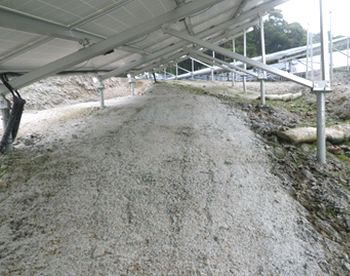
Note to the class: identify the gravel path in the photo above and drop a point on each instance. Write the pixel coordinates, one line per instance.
(170, 183)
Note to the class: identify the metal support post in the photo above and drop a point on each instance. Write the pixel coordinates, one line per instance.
(192, 69)
(347, 53)
(263, 60)
(154, 76)
(234, 62)
(307, 53)
(5, 112)
(177, 71)
(212, 69)
(245, 64)
(312, 56)
(321, 88)
(321, 127)
(100, 86)
(132, 81)
(331, 65)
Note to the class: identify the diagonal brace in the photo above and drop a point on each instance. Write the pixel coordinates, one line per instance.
(239, 57)
(234, 67)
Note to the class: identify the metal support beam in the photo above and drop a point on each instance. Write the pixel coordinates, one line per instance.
(241, 58)
(235, 68)
(177, 71)
(19, 21)
(234, 25)
(201, 62)
(110, 43)
(240, 8)
(224, 67)
(207, 59)
(183, 69)
(323, 87)
(99, 13)
(186, 20)
(80, 22)
(25, 48)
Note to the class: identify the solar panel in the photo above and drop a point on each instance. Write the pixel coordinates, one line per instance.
(45, 31)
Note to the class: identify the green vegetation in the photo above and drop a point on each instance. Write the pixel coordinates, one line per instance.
(279, 35)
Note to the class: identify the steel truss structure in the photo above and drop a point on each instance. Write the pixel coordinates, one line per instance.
(39, 39)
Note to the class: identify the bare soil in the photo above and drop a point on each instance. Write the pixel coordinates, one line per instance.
(323, 190)
(168, 183)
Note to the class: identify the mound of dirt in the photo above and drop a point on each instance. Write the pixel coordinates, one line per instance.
(74, 88)
(170, 183)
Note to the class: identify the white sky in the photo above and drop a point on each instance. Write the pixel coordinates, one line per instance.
(306, 12)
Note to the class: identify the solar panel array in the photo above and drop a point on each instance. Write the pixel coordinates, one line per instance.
(39, 32)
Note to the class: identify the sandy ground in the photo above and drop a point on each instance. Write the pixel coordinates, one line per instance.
(169, 183)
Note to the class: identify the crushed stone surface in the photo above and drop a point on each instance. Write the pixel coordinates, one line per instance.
(169, 183)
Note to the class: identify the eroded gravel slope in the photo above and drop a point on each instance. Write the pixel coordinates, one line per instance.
(165, 184)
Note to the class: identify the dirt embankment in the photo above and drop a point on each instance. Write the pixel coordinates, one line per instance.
(169, 183)
(74, 88)
(323, 190)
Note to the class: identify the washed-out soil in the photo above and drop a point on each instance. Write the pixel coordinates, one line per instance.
(172, 182)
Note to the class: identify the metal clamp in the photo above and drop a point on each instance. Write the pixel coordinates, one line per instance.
(262, 76)
(322, 86)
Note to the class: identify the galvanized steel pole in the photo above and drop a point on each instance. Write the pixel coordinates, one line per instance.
(307, 53)
(263, 60)
(321, 106)
(234, 61)
(212, 69)
(245, 64)
(331, 65)
(347, 53)
(312, 56)
(192, 66)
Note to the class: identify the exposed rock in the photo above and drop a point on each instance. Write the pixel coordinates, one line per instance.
(299, 135)
(284, 97)
(335, 134)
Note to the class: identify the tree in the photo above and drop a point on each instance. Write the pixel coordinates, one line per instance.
(279, 35)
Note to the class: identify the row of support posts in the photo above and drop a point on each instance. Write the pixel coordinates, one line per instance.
(320, 88)
(101, 88)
